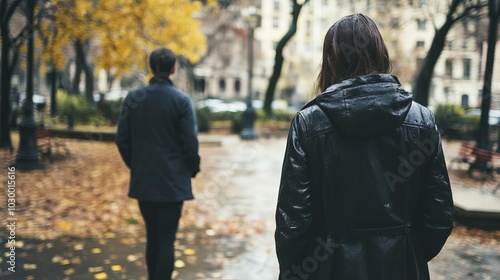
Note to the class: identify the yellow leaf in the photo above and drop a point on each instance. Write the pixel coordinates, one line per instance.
(116, 267)
(29, 266)
(65, 262)
(69, 271)
(96, 250)
(189, 252)
(64, 225)
(101, 275)
(96, 269)
(57, 259)
(179, 264)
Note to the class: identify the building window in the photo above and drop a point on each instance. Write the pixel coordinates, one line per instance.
(464, 44)
(380, 23)
(467, 63)
(421, 24)
(222, 85)
(308, 28)
(307, 47)
(420, 62)
(448, 68)
(199, 85)
(323, 23)
(395, 23)
(276, 22)
(394, 45)
(449, 45)
(465, 101)
(276, 5)
(237, 87)
(420, 44)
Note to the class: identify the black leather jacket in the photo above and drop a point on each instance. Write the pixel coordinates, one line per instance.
(364, 190)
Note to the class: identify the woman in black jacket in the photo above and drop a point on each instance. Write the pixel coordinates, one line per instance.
(364, 190)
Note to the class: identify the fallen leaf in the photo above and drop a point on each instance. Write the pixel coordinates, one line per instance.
(189, 252)
(179, 264)
(69, 271)
(96, 250)
(101, 276)
(96, 269)
(29, 266)
(57, 259)
(116, 267)
(132, 258)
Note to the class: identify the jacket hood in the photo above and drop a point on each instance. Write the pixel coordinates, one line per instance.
(366, 106)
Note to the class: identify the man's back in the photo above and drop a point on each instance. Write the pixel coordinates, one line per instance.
(157, 139)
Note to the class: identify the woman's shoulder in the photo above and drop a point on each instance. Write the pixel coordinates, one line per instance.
(421, 116)
(311, 120)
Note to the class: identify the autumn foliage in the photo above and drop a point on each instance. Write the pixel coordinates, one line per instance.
(122, 32)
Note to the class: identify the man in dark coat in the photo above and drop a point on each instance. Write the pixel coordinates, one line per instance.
(157, 139)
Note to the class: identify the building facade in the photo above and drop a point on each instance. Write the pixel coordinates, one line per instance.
(408, 28)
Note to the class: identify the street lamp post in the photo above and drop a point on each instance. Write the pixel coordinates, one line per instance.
(248, 131)
(27, 155)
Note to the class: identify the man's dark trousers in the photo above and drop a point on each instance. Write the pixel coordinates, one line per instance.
(162, 220)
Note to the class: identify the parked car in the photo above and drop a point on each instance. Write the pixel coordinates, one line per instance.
(494, 115)
(39, 101)
(217, 105)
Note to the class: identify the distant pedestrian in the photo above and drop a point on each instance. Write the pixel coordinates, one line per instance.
(157, 139)
(364, 190)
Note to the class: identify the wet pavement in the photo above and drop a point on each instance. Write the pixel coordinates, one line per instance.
(241, 184)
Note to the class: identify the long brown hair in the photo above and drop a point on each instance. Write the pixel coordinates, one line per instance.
(353, 47)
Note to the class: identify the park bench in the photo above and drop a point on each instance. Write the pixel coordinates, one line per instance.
(46, 143)
(483, 162)
(465, 154)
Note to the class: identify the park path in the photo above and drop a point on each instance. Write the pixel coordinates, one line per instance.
(229, 236)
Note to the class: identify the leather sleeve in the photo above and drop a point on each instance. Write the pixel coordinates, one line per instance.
(436, 217)
(294, 213)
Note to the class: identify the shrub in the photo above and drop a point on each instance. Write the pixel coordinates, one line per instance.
(203, 118)
(75, 107)
(237, 122)
(110, 110)
(448, 115)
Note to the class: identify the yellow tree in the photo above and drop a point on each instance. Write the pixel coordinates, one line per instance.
(125, 44)
(74, 21)
(122, 33)
(53, 54)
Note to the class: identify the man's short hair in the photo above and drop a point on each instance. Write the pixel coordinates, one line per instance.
(162, 61)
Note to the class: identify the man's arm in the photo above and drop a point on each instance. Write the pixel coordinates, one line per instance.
(189, 135)
(123, 135)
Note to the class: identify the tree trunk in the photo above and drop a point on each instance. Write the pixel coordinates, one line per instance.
(83, 65)
(6, 12)
(75, 86)
(89, 83)
(278, 59)
(483, 140)
(5, 140)
(53, 92)
(423, 81)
